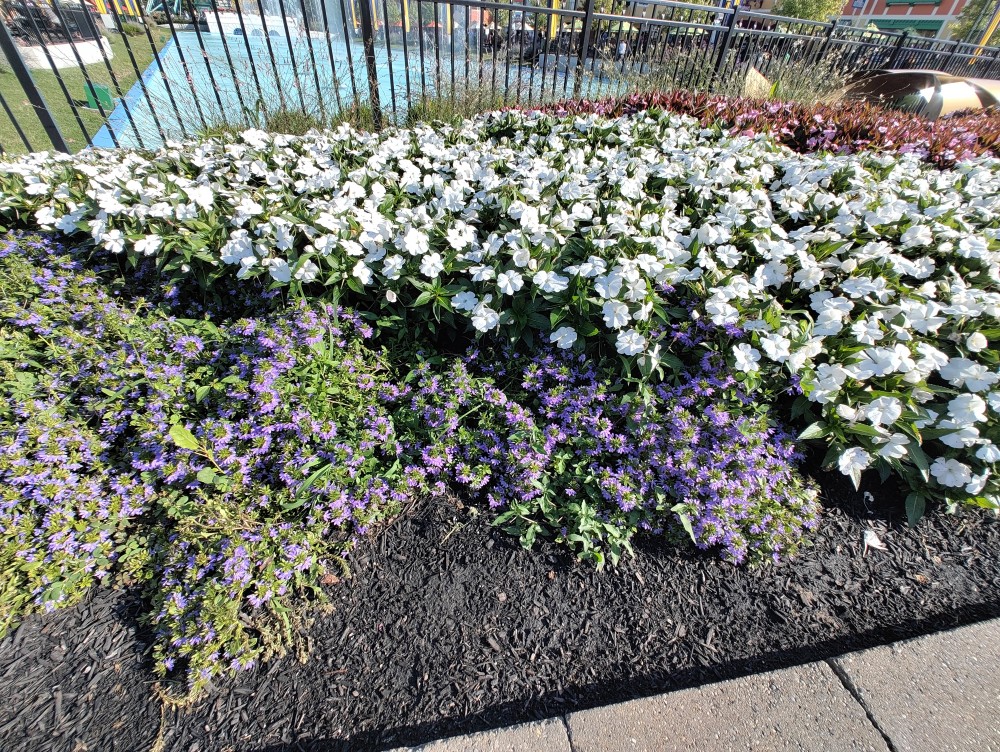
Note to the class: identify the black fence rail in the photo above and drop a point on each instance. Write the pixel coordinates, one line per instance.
(71, 78)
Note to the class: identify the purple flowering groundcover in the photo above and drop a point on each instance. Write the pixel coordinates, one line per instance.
(228, 454)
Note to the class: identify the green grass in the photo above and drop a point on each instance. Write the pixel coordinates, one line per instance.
(74, 81)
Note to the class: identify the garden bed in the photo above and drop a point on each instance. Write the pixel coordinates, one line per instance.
(260, 363)
(449, 627)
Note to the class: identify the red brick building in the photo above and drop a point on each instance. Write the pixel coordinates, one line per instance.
(929, 18)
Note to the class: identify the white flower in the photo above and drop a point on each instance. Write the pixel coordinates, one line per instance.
(465, 301)
(630, 342)
(746, 358)
(510, 282)
(976, 342)
(893, 447)
(608, 285)
(616, 314)
(431, 265)
(307, 271)
(414, 242)
(201, 195)
(482, 273)
(364, 274)
(950, 472)
(852, 461)
(148, 245)
(962, 372)
(114, 241)
(550, 281)
(280, 271)
(484, 318)
(967, 408)
(521, 257)
(563, 337)
(988, 452)
(917, 235)
(775, 347)
(883, 411)
(391, 267)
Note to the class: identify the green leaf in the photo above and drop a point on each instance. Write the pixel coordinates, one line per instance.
(918, 458)
(685, 520)
(201, 392)
(207, 476)
(184, 438)
(814, 431)
(915, 504)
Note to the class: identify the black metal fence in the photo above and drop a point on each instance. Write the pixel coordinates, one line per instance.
(75, 78)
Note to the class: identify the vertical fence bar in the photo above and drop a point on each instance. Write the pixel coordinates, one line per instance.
(208, 63)
(312, 59)
(588, 20)
(17, 125)
(114, 78)
(726, 40)
(270, 52)
(138, 72)
(162, 70)
(229, 60)
(388, 58)
(55, 72)
(83, 68)
(404, 17)
(31, 91)
(291, 52)
(897, 51)
(368, 43)
(250, 57)
(184, 65)
(334, 78)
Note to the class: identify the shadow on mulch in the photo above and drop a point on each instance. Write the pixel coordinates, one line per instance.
(583, 698)
(448, 627)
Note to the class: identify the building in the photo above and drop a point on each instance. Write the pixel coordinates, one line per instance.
(928, 18)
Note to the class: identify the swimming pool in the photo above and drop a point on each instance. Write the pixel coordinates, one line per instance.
(214, 79)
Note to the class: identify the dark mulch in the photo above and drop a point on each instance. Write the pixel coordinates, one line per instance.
(446, 628)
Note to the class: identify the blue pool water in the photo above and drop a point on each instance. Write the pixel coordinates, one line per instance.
(208, 87)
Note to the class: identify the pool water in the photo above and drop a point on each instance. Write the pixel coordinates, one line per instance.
(218, 83)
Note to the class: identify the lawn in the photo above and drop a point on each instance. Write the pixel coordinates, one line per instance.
(74, 81)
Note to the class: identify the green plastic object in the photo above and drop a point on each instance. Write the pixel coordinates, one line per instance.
(99, 94)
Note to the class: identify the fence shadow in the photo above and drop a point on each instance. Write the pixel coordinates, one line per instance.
(576, 698)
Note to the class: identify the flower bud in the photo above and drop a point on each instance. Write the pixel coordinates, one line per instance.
(977, 342)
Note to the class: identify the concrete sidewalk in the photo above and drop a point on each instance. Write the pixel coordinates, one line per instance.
(933, 694)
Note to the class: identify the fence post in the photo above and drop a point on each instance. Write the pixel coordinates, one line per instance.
(368, 42)
(825, 47)
(726, 40)
(951, 55)
(34, 95)
(898, 50)
(581, 61)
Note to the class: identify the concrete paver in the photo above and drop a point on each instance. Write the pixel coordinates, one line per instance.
(803, 708)
(935, 693)
(540, 736)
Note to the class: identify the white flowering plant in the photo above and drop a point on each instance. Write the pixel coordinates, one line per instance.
(869, 283)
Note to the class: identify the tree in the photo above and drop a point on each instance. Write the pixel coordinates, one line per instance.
(973, 22)
(813, 10)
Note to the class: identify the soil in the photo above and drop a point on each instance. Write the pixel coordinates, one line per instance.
(448, 627)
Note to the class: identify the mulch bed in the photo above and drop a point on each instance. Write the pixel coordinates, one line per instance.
(448, 627)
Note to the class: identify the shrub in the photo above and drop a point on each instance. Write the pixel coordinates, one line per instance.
(132, 29)
(870, 279)
(841, 128)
